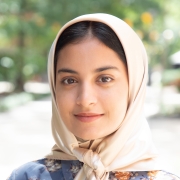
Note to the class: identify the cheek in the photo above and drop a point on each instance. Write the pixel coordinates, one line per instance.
(64, 101)
(117, 101)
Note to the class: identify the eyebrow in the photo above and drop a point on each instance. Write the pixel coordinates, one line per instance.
(106, 68)
(66, 70)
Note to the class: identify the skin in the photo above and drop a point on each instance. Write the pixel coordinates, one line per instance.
(91, 89)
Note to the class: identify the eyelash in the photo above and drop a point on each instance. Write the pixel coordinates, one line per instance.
(64, 81)
(106, 77)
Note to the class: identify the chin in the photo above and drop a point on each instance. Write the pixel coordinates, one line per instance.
(85, 133)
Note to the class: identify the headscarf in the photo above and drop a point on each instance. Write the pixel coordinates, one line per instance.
(130, 147)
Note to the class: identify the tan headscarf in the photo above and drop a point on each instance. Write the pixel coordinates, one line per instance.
(130, 148)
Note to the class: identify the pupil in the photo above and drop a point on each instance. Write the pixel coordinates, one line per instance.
(70, 81)
(104, 79)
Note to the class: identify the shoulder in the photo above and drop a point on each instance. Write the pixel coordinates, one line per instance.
(145, 175)
(158, 175)
(47, 169)
(31, 171)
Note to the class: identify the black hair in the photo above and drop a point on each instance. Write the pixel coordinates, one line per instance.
(80, 30)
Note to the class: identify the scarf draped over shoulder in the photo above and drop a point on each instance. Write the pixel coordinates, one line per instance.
(130, 147)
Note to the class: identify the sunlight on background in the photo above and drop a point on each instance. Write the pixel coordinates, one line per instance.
(25, 135)
(27, 29)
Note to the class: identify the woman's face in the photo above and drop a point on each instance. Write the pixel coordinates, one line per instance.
(91, 89)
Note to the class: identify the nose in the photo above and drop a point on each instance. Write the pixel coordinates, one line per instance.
(86, 95)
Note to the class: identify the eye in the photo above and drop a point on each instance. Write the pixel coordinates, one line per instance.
(69, 81)
(105, 79)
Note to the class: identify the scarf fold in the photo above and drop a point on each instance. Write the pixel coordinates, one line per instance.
(130, 147)
(93, 167)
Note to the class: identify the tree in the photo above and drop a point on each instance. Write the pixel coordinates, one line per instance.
(28, 27)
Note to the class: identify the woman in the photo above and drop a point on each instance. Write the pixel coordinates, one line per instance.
(98, 74)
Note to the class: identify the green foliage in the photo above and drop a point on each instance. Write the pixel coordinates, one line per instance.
(17, 99)
(28, 27)
(171, 77)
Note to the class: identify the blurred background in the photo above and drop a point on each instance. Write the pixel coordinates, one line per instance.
(27, 30)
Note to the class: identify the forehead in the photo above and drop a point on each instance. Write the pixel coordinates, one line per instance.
(87, 55)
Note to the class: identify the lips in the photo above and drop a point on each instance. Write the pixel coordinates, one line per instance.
(88, 117)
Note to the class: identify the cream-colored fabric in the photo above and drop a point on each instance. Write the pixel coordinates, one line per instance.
(130, 148)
